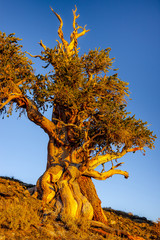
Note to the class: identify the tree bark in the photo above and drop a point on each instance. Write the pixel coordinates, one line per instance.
(86, 185)
(63, 184)
(88, 190)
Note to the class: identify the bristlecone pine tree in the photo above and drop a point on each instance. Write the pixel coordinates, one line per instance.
(89, 125)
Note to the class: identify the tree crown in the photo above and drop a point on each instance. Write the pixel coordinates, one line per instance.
(89, 102)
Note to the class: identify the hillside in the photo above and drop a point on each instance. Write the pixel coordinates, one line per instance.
(21, 217)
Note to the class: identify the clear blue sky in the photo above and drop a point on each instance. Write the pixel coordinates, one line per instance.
(132, 29)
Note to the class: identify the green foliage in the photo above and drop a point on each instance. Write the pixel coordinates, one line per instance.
(81, 93)
(13, 63)
(79, 85)
(16, 70)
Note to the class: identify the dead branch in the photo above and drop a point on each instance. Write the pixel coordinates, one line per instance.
(104, 175)
(98, 160)
(75, 35)
(35, 56)
(60, 32)
(42, 45)
(70, 48)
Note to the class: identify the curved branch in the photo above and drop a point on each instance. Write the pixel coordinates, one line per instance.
(35, 116)
(36, 56)
(60, 32)
(71, 47)
(11, 98)
(86, 145)
(103, 176)
(66, 124)
(42, 45)
(75, 35)
(21, 82)
(74, 18)
(98, 160)
(32, 112)
(83, 32)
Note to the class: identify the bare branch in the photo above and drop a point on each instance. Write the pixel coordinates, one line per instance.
(98, 160)
(84, 146)
(66, 124)
(60, 32)
(23, 81)
(71, 47)
(75, 35)
(44, 47)
(103, 169)
(35, 116)
(74, 18)
(104, 175)
(91, 139)
(119, 164)
(134, 149)
(35, 56)
(32, 111)
(60, 45)
(83, 32)
(12, 97)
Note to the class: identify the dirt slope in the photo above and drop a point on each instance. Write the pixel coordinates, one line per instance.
(21, 217)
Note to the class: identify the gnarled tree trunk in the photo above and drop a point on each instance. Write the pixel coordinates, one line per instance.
(63, 186)
(86, 186)
(66, 184)
(88, 190)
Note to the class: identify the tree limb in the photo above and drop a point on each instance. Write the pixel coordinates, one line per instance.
(75, 35)
(74, 18)
(60, 32)
(14, 96)
(66, 124)
(83, 32)
(44, 47)
(36, 56)
(23, 81)
(98, 160)
(32, 111)
(85, 147)
(35, 116)
(103, 176)
(71, 47)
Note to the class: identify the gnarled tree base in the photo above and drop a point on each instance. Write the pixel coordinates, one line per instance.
(74, 197)
(59, 186)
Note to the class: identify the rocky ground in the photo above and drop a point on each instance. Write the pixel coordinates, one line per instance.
(21, 217)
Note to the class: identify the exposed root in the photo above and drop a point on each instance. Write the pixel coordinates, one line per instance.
(104, 230)
(99, 231)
